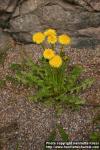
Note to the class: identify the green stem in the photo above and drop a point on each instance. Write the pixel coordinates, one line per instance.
(53, 46)
(62, 48)
(43, 47)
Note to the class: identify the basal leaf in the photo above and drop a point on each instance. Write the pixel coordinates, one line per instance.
(63, 134)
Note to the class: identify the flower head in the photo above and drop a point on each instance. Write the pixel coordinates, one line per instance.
(56, 61)
(49, 32)
(48, 53)
(38, 37)
(64, 39)
(52, 39)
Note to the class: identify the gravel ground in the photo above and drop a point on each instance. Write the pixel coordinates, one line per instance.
(28, 125)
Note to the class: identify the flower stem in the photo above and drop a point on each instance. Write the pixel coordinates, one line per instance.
(62, 48)
(43, 47)
(53, 46)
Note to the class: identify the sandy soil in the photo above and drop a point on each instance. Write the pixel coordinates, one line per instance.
(28, 125)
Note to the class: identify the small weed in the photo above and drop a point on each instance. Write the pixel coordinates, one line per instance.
(63, 134)
(16, 67)
(2, 83)
(52, 137)
(95, 137)
(17, 146)
(12, 79)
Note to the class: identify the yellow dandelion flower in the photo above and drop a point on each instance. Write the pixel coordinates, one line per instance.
(49, 32)
(56, 61)
(48, 53)
(64, 39)
(52, 39)
(38, 37)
